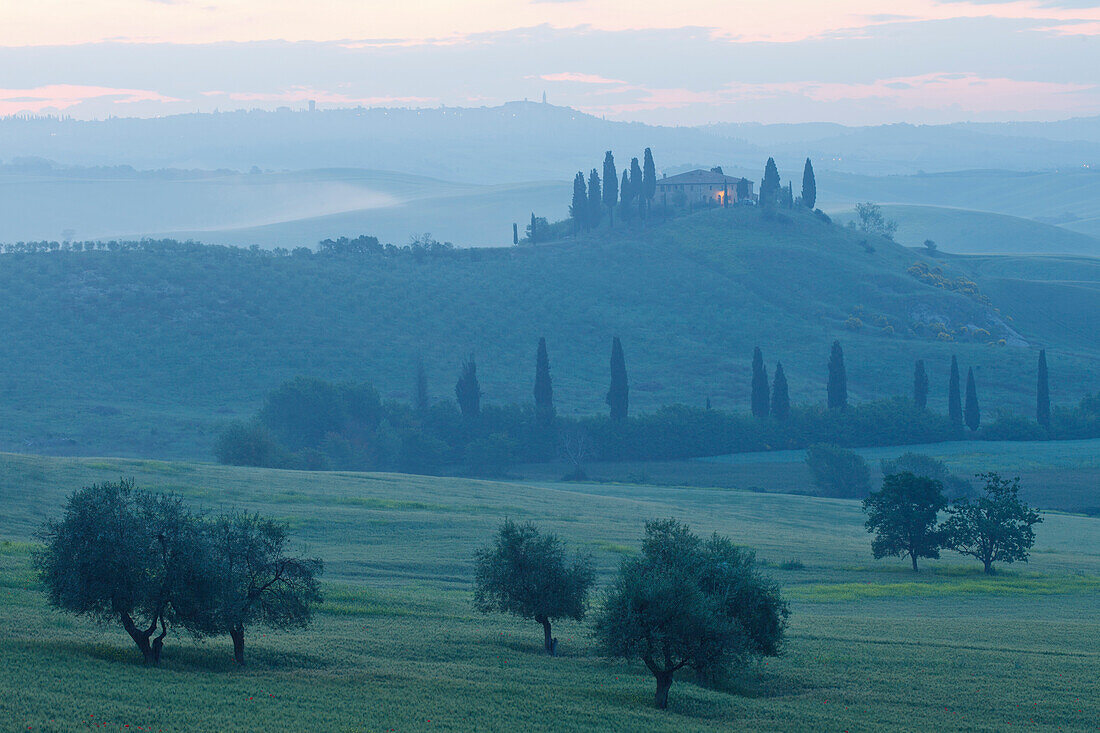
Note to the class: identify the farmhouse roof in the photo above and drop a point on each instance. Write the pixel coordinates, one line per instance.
(698, 177)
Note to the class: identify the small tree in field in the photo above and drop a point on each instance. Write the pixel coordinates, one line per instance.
(122, 555)
(525, 573)
(995, 527)
(690, 602)
(258, 582)
(838, 472)
(902, 514)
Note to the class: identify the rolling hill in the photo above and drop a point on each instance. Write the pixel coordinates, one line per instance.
(147, 352)
(963, 231)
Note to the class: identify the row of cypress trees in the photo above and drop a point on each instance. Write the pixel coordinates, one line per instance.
(773, 193)
(767, 401)
(593, 196)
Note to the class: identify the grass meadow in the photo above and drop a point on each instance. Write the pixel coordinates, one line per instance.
(397, 646)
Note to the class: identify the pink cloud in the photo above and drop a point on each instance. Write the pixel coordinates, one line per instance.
(304, 94)
(64, 96)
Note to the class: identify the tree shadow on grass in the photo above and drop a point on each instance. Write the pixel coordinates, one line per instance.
(188, 656)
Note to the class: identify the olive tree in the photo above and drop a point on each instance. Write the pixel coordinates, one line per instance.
(258, 581)
(995, 527)
(690, 602)
(903, 515)
(122, 555)
(525, 573)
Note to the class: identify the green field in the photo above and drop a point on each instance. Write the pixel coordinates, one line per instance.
(397, 646)
(148, 354)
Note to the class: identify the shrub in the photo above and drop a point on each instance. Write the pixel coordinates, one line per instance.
(838, 472)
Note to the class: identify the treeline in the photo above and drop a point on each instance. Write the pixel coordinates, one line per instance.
(311, 424)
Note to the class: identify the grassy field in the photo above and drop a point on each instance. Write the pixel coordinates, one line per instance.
(397, 646)
(147, 354)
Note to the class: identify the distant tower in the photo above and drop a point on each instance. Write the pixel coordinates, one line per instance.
(312, 106)
(544, 97)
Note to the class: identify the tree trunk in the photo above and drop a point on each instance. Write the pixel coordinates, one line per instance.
(988, 567)
(664, 682)
(141, 638)
(914, 558)
(549, 643)
(158, 642)
(237, 634)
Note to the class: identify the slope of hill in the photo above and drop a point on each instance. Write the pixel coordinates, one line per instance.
(144, 352)
(271, 209)
(869, 643)
(964, 231)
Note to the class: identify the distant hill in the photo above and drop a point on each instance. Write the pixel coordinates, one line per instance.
(147, 352)
(976, 232)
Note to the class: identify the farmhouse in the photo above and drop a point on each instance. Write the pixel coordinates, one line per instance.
(700, 186)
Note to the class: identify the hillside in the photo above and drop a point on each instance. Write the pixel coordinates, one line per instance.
(148, 352)
(964, 231)
(869, 643)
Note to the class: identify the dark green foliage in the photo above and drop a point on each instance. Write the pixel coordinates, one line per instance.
(578, 210)
(544, 389)
(760, 398)
(627, 194)
(973, 413)
(649, 177)
(954, 396)
(920, 385)
(769, 186)
(637, 185)
(1042, 392)
(421, 398)
(249, 444)
(781, 398)
(515, 233)
(526, 574)
(838, 379)
(995, 527)
(122, 555)
(258, 582)
(595, 199)
(468, 390)
(533, 229)
(918, 464)
(303, 411)
(787, 196)
(610, 186)
(690, 602)
(618, 394)
(902, 515)
(809, 186)
(838, 472)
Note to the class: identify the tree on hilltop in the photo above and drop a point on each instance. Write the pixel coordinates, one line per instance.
(649, 179)
(578, 210)
(769, 187)
(809, 186)
(595, 199)
(610, 186)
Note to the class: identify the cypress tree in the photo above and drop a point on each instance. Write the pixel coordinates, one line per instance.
(838, 379)
(515, 233)
(809, 186)
(954, 396)
(1042, 395)
(595, 199)
(973, 412)
(626, 195)
(769, 187)
(781, 399)
(788, 196)
(760, 397)
(544, 389)
(649, 178)
(920, 385)
(420, 398)
(579, 208)
(610, 186)
(534, 225)
(468, 390)
(619, 393)
(636, 189)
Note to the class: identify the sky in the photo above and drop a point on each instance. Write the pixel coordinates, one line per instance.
(847, 61)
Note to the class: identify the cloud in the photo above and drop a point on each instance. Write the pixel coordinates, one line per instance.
(64, 96)
(321, 96)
